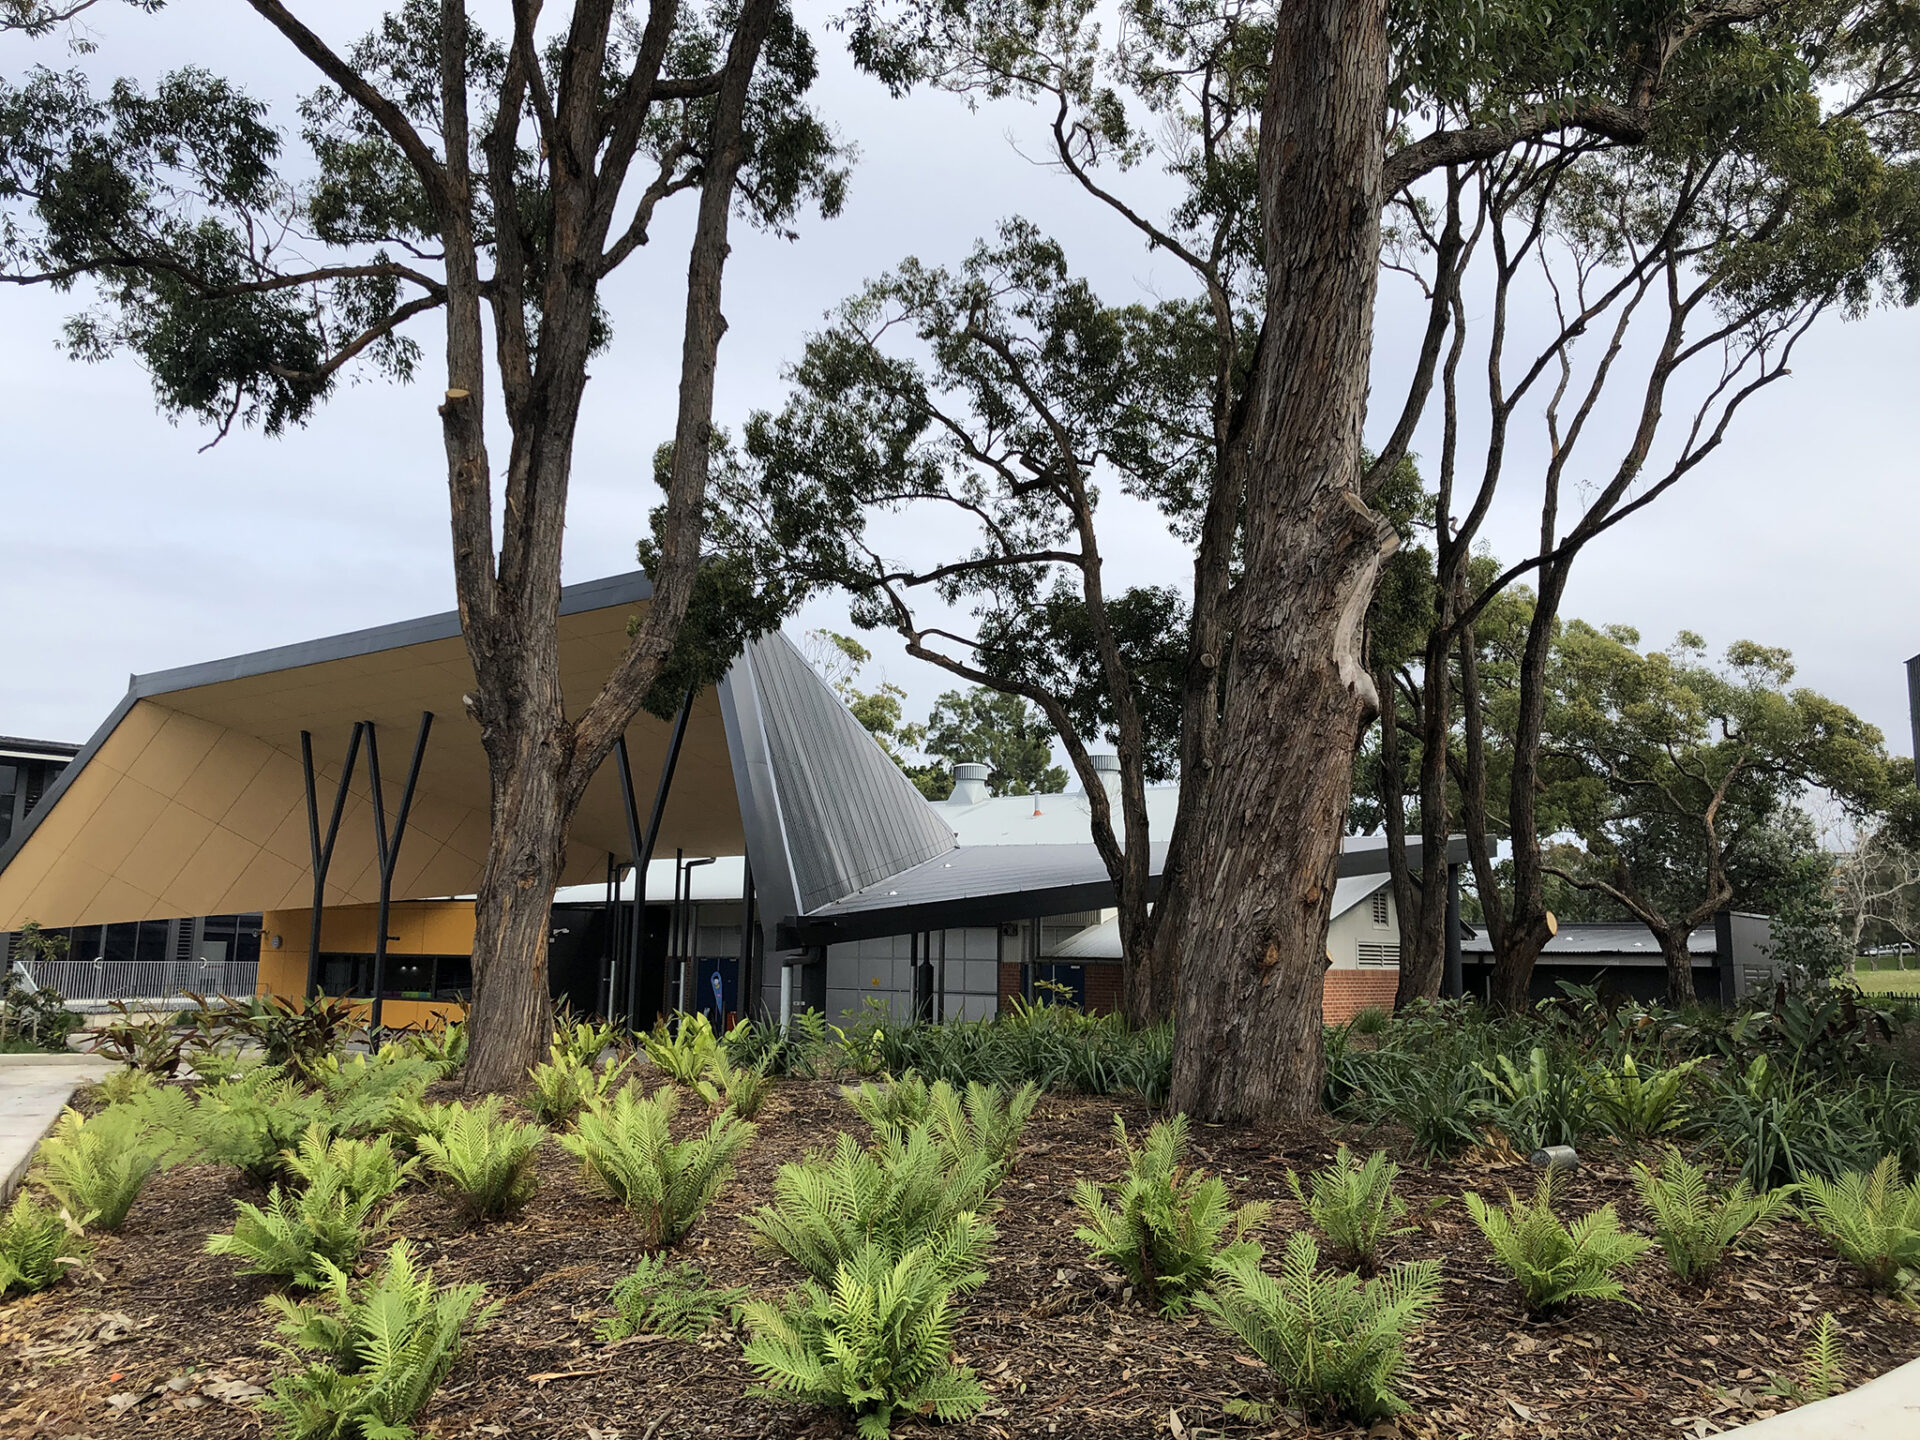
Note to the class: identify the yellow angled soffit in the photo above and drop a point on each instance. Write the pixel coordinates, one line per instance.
(193, 803)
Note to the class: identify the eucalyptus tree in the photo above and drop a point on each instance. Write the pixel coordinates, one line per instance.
(491, 185)
(1687, 761)
(1293, 127)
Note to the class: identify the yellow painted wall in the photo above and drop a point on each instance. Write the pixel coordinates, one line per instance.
(422, 927)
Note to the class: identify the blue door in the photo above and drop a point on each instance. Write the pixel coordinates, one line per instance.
(718, 986)
(1073, 977)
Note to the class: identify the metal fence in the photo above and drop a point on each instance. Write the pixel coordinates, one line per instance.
(143, 979)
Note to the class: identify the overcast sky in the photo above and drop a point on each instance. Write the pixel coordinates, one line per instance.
(130, 551)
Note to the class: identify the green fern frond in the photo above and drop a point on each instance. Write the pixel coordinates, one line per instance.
(96, 1166)
(1334, 1343)
(1873, 1222)
(739, 1088)
(299, 1234)
(660, 1297)
(1354, 1205)
(1554, 1262)
(565, 1085)
(483, 1157)
(1694, 1226)
(625, 1149)
(1166, 1224)
(38, 1244)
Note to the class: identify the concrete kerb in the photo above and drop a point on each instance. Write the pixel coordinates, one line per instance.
(1884, 1409)
(34, 1089)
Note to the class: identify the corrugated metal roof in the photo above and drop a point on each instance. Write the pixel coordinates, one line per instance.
(1594, 937)
(1064, 819)
(848, 816)
(1102, 941)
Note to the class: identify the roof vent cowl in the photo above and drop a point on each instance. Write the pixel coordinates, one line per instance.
(969, 783)
(1106, 765)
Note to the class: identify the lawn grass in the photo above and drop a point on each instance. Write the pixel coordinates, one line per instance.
(1889, 982)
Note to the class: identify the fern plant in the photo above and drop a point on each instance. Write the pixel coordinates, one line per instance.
(483, 1157)
(685, 1054)
(878, 1342)
(662, 1297)
(1694, 1226)
(1333, 1342)
(365, 1093)
(1823, 1367)
(38, 1244)
(899, 1196)
(1872, 1220)
(565, 1085)
(1638, 1107)
(1354, 1205)
(985, 1122)
(299, 1232)
(252, 1122)
(890, 1103)
(384, 1345)
(442, 1045)
(365, 1171)
(739, 1088)
(96, 1166)
(1166, 1223)
(624, 1147)
(1554, 1262)
(1547, 1101)
(123, 1086)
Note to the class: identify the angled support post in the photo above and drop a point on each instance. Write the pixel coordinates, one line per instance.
(643, 852)
(322, 849)
(387, 848)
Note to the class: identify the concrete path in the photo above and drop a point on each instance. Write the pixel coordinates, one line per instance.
(1884, 1409)
(33, 1091)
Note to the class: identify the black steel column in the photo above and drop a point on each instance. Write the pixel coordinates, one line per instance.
(388, 849)
(628, 984)
(1454, 980)
(940, 982)
(644, 857)
(322, 852)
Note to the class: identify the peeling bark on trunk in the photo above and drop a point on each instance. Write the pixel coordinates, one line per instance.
(1249, 1041)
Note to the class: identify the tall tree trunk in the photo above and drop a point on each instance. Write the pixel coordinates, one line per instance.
(1673, 949)
(1249, 1038)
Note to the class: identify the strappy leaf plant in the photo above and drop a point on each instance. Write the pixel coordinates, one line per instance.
(1354, 1205)
(96, 1165)
(383, 1346)
(664, 1297)
(684, 1052)
(582, 1040)
(1335, 1344)
(877, 1341)
(483, 1157)
(1166, 1222)
(625, 1148)
(1873, 1221)
(899, 1195)
(565, 1085)
(38, 1244)
(1694, 1222)
(1638, 1106)
(1552, 1261)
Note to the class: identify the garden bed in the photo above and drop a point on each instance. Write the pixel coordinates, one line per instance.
(157, 1337)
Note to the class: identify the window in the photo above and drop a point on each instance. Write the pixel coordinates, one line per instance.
(1380, 915)
(1376, 955)
(409, 977)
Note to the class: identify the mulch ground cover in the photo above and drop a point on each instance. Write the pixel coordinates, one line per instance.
(158, 1338)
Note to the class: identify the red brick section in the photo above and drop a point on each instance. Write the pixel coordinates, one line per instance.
(1348, 992)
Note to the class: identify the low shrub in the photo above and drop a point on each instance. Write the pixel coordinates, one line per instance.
(625, 1149)
(95, 1166)
(384, 1346)
(1167, 1223)
(901, 1195)
(565, 1085)
(683, 1053)
(1334, 1343)
(1554, 1262)
(1695, 1226)
(1547, 1101)
(38, 1244)
(1370, 1020)
(662, 1297)
(582, 1040)
(299, 1233)
(33, 1017)
(297, 1034)
(739, 1088)
(1354, 1205)
(878, 1342)
(1872, 1220)
(152, 1044)
(1637, 1107)
(483, 1157)
(442, 1044)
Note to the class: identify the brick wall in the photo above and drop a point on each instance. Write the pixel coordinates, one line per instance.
(1348, 992)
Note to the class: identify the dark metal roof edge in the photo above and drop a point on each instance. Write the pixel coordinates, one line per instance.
(628, 589)
(40, 749)
(957, 913)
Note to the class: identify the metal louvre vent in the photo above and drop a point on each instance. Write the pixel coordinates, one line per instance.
(1379, 954)
(1380, 907)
